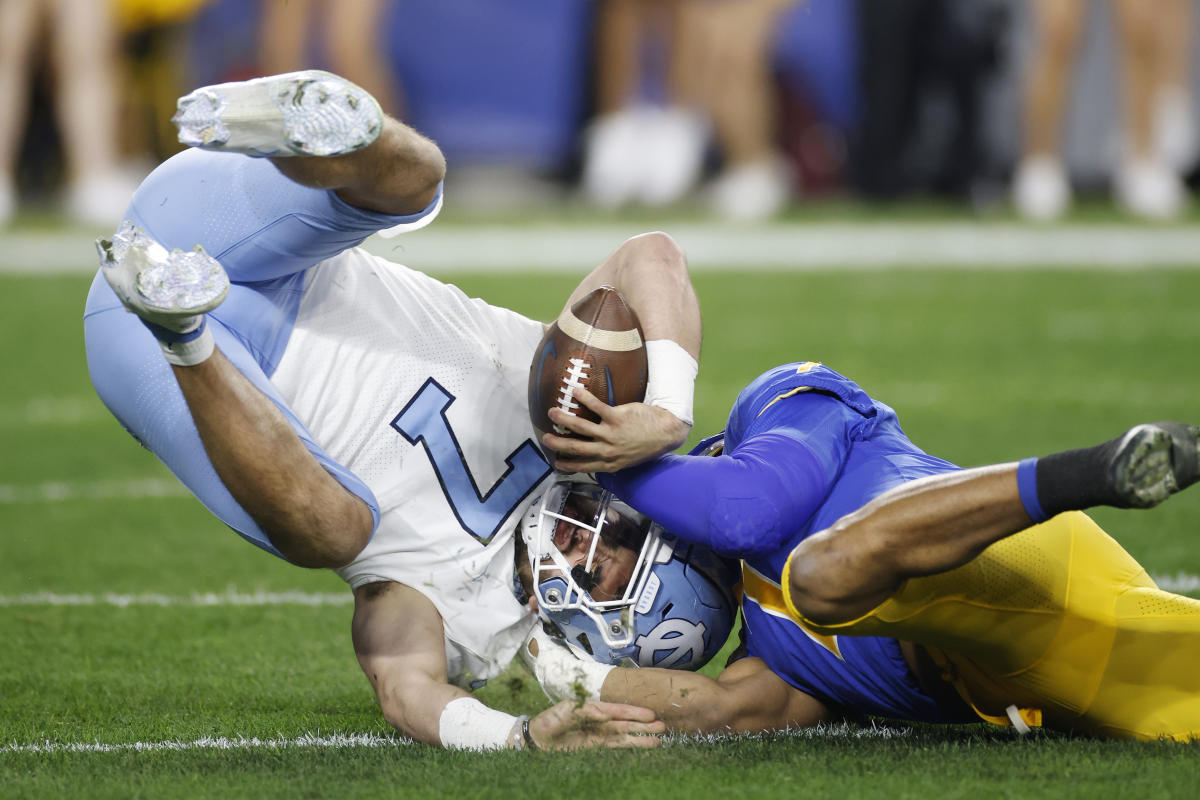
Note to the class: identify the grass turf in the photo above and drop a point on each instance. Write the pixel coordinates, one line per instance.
(981, 367)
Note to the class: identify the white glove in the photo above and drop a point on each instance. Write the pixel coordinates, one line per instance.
(561, 674)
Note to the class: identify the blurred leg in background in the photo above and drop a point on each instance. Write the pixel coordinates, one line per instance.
(347, 36)
(647, 139)
(82, 42)
(1041, 190)
(1174, 112)
(18, 26)
(155, 42)
(1153, 45)
(725, 67)
(670, 74)
(1152, 40)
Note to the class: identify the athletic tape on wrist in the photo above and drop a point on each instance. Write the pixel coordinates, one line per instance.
(190, 352)
(467, 724)
(672, 379)
(564, 676)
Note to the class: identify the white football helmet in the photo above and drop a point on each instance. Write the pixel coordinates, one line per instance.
(675, 610)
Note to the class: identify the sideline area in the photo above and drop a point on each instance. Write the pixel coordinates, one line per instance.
(449, 248)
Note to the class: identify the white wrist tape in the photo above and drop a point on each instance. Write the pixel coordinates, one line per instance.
(189, 353)
(672, 379)
(561, 674)
(467, 724)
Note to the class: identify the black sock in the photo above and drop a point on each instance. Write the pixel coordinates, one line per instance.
(1077, 479)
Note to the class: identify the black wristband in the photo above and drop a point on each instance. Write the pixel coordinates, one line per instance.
(526, 736)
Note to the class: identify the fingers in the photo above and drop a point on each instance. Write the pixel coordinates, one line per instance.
(616, 711)
(625, 435)
(575, 455)
(571, 726)
(592, 403)
(575, 424)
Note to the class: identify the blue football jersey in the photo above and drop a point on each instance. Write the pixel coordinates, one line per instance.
(804, 446)
(865, 455)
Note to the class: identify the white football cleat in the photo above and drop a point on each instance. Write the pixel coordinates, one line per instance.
(171, 290)
(307, 113)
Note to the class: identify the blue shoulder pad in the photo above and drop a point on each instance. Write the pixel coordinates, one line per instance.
(808, 374)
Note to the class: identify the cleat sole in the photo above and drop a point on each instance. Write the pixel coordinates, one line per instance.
(309, 113)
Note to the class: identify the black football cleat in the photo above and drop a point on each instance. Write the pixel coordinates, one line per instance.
(1154, 461)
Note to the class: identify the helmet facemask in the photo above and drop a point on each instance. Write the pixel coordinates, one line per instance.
(663, 603)
(569, 513)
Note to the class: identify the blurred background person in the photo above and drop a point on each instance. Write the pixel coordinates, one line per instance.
(925, 67)
(676, 77)
(646, 141)
(155, 35)
(80, 40)
(344, 36)
(725, 67)
(1153, 41)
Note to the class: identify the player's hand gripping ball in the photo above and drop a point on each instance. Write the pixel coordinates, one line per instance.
(596, 344)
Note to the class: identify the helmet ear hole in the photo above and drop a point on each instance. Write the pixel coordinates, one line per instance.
(585, 644)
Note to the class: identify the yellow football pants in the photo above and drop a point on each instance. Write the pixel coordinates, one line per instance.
(1058, 624)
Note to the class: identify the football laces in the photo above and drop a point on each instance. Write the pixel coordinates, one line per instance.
(575, 377)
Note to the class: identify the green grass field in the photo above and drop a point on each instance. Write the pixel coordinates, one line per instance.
(981, 366)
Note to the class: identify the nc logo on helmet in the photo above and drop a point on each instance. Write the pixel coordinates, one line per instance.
(684, 640)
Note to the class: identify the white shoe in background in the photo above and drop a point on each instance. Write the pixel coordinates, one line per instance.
(99, 199)
(672, 148)
(8, 200)
(1175, 129)
(1040, 188)
(1148, 188)
(752, 192)
(612, 166)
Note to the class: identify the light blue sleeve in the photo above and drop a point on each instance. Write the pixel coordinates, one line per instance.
(266, 231)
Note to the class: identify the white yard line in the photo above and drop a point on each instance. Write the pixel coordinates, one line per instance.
(304, 741)
(371, 740)
(59, 491)
(792, 246)
(51, 410)
(1181, 582)
(229, 597)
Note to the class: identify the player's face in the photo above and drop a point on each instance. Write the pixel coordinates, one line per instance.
(612, 563)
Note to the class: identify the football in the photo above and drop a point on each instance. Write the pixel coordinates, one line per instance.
(597, 344)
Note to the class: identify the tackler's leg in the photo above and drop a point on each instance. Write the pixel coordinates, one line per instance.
(935, 524)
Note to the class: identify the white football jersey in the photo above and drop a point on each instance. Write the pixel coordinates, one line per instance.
(421, 392)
